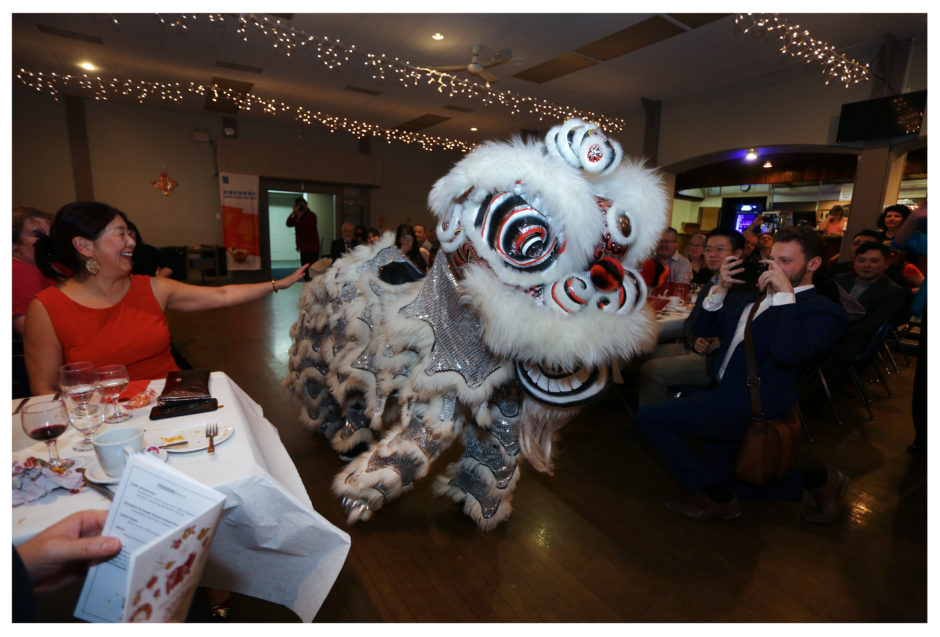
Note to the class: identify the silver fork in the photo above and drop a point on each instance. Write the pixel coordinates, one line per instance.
(212, 430)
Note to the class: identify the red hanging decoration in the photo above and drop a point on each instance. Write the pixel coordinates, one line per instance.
(164, 184)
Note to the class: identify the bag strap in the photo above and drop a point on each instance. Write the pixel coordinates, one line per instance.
(753, 380)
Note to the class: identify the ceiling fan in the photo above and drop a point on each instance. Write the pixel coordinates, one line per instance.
(479, 68)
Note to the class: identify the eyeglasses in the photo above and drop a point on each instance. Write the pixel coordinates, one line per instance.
(714, 249)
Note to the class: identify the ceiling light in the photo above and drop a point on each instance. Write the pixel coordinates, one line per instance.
(767, 164)
(474, 129)
(751, 154)
(437, 36)
(88, 66)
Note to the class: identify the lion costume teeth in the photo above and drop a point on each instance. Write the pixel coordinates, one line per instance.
(533, 297)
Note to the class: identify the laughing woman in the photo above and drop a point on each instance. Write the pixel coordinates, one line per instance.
(99, 311)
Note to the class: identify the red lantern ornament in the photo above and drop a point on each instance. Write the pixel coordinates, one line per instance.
(164, 184)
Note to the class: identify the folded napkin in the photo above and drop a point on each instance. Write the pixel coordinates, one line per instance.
(34, 478)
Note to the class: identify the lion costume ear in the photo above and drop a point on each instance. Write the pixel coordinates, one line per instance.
(583, 145)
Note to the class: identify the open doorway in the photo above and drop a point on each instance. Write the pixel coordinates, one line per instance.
(279, 256)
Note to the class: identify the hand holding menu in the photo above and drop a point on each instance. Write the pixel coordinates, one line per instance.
(165, 521)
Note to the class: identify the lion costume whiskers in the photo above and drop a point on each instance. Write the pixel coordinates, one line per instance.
(532, 298)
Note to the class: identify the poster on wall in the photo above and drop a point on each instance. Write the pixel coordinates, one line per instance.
(239, 195)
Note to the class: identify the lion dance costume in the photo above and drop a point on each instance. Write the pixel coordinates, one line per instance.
(532, 299)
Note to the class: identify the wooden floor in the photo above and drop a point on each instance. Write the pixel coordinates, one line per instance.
(593, 542)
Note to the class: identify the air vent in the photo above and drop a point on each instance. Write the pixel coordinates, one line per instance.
(238, 67)
(637, 36)
(223, 104)
(359, 89)
(425, 121)
(459, 109)
(72, 35)
(562, 65)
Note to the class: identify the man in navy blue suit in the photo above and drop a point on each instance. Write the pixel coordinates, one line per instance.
(793, 325)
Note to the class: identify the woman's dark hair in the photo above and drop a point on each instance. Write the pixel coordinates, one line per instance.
(903, 210)
(133, 228)
(56, 257)
(402, 230)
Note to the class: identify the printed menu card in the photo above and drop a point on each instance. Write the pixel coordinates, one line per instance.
(165, 521)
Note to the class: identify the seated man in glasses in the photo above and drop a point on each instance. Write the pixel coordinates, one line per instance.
(693, 360)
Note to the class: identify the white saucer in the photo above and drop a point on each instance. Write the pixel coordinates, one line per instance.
(96, 474)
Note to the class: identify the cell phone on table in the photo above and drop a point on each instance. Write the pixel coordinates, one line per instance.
(186, 408)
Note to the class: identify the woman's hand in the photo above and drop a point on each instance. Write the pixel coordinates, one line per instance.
(291, 279)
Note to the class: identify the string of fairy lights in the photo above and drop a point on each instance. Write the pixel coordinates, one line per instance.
(798, 43)
(334, 54)
(175, 92)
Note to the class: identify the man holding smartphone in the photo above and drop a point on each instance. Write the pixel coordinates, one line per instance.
(306, 237)
(793, 325)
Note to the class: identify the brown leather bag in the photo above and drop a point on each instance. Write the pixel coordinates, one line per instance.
(769, 448)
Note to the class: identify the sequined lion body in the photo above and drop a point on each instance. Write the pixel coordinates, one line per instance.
(532, 298)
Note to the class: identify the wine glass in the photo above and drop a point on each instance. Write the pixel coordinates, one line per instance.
(113, 379)
(77, 380)
(88, 419)
(46, 421)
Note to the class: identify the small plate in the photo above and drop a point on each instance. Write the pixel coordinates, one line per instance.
(195, 436)
(96, 474)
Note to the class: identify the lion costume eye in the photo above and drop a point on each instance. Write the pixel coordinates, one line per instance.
(521, 235)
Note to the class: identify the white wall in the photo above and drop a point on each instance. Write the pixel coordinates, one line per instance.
(41, 163)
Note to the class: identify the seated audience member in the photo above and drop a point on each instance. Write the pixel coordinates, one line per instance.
(695, 253)
(372, 237)
(764, 244)
(862, 236)
(56, 556)
(147, 259)
(880, 297)
(891, 219)
(834, 223)
(360, 234)
(406, 241)
(751, 254)
(423, 241)
(28, 225)
(101, 312)
(903, 272)
(693, 361)
(667, 266)
(793, 325)
(345, 242)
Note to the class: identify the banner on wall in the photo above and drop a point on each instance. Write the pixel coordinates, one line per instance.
(239, 195)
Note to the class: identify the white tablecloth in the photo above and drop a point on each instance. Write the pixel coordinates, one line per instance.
(271, 543)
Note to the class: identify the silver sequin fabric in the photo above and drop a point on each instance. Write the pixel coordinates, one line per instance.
(458, 336)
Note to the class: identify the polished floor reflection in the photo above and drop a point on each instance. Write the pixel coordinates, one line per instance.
(593, 542)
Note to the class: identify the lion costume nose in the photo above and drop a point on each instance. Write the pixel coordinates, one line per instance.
(607, 274)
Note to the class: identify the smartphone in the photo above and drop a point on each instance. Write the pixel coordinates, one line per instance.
(762, 267)
(171, 410)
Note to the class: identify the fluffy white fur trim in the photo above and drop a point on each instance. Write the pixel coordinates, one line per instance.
(516, 327)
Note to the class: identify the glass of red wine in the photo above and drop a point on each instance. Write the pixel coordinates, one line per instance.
(46, 421)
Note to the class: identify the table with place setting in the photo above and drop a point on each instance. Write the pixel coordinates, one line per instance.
(270, 544)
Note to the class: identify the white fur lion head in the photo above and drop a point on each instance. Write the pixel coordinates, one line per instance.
(547, 237)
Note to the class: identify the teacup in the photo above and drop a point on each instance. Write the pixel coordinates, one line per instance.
(674, 302)
(114, 446)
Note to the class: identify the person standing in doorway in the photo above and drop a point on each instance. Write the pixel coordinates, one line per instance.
(306, 237)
